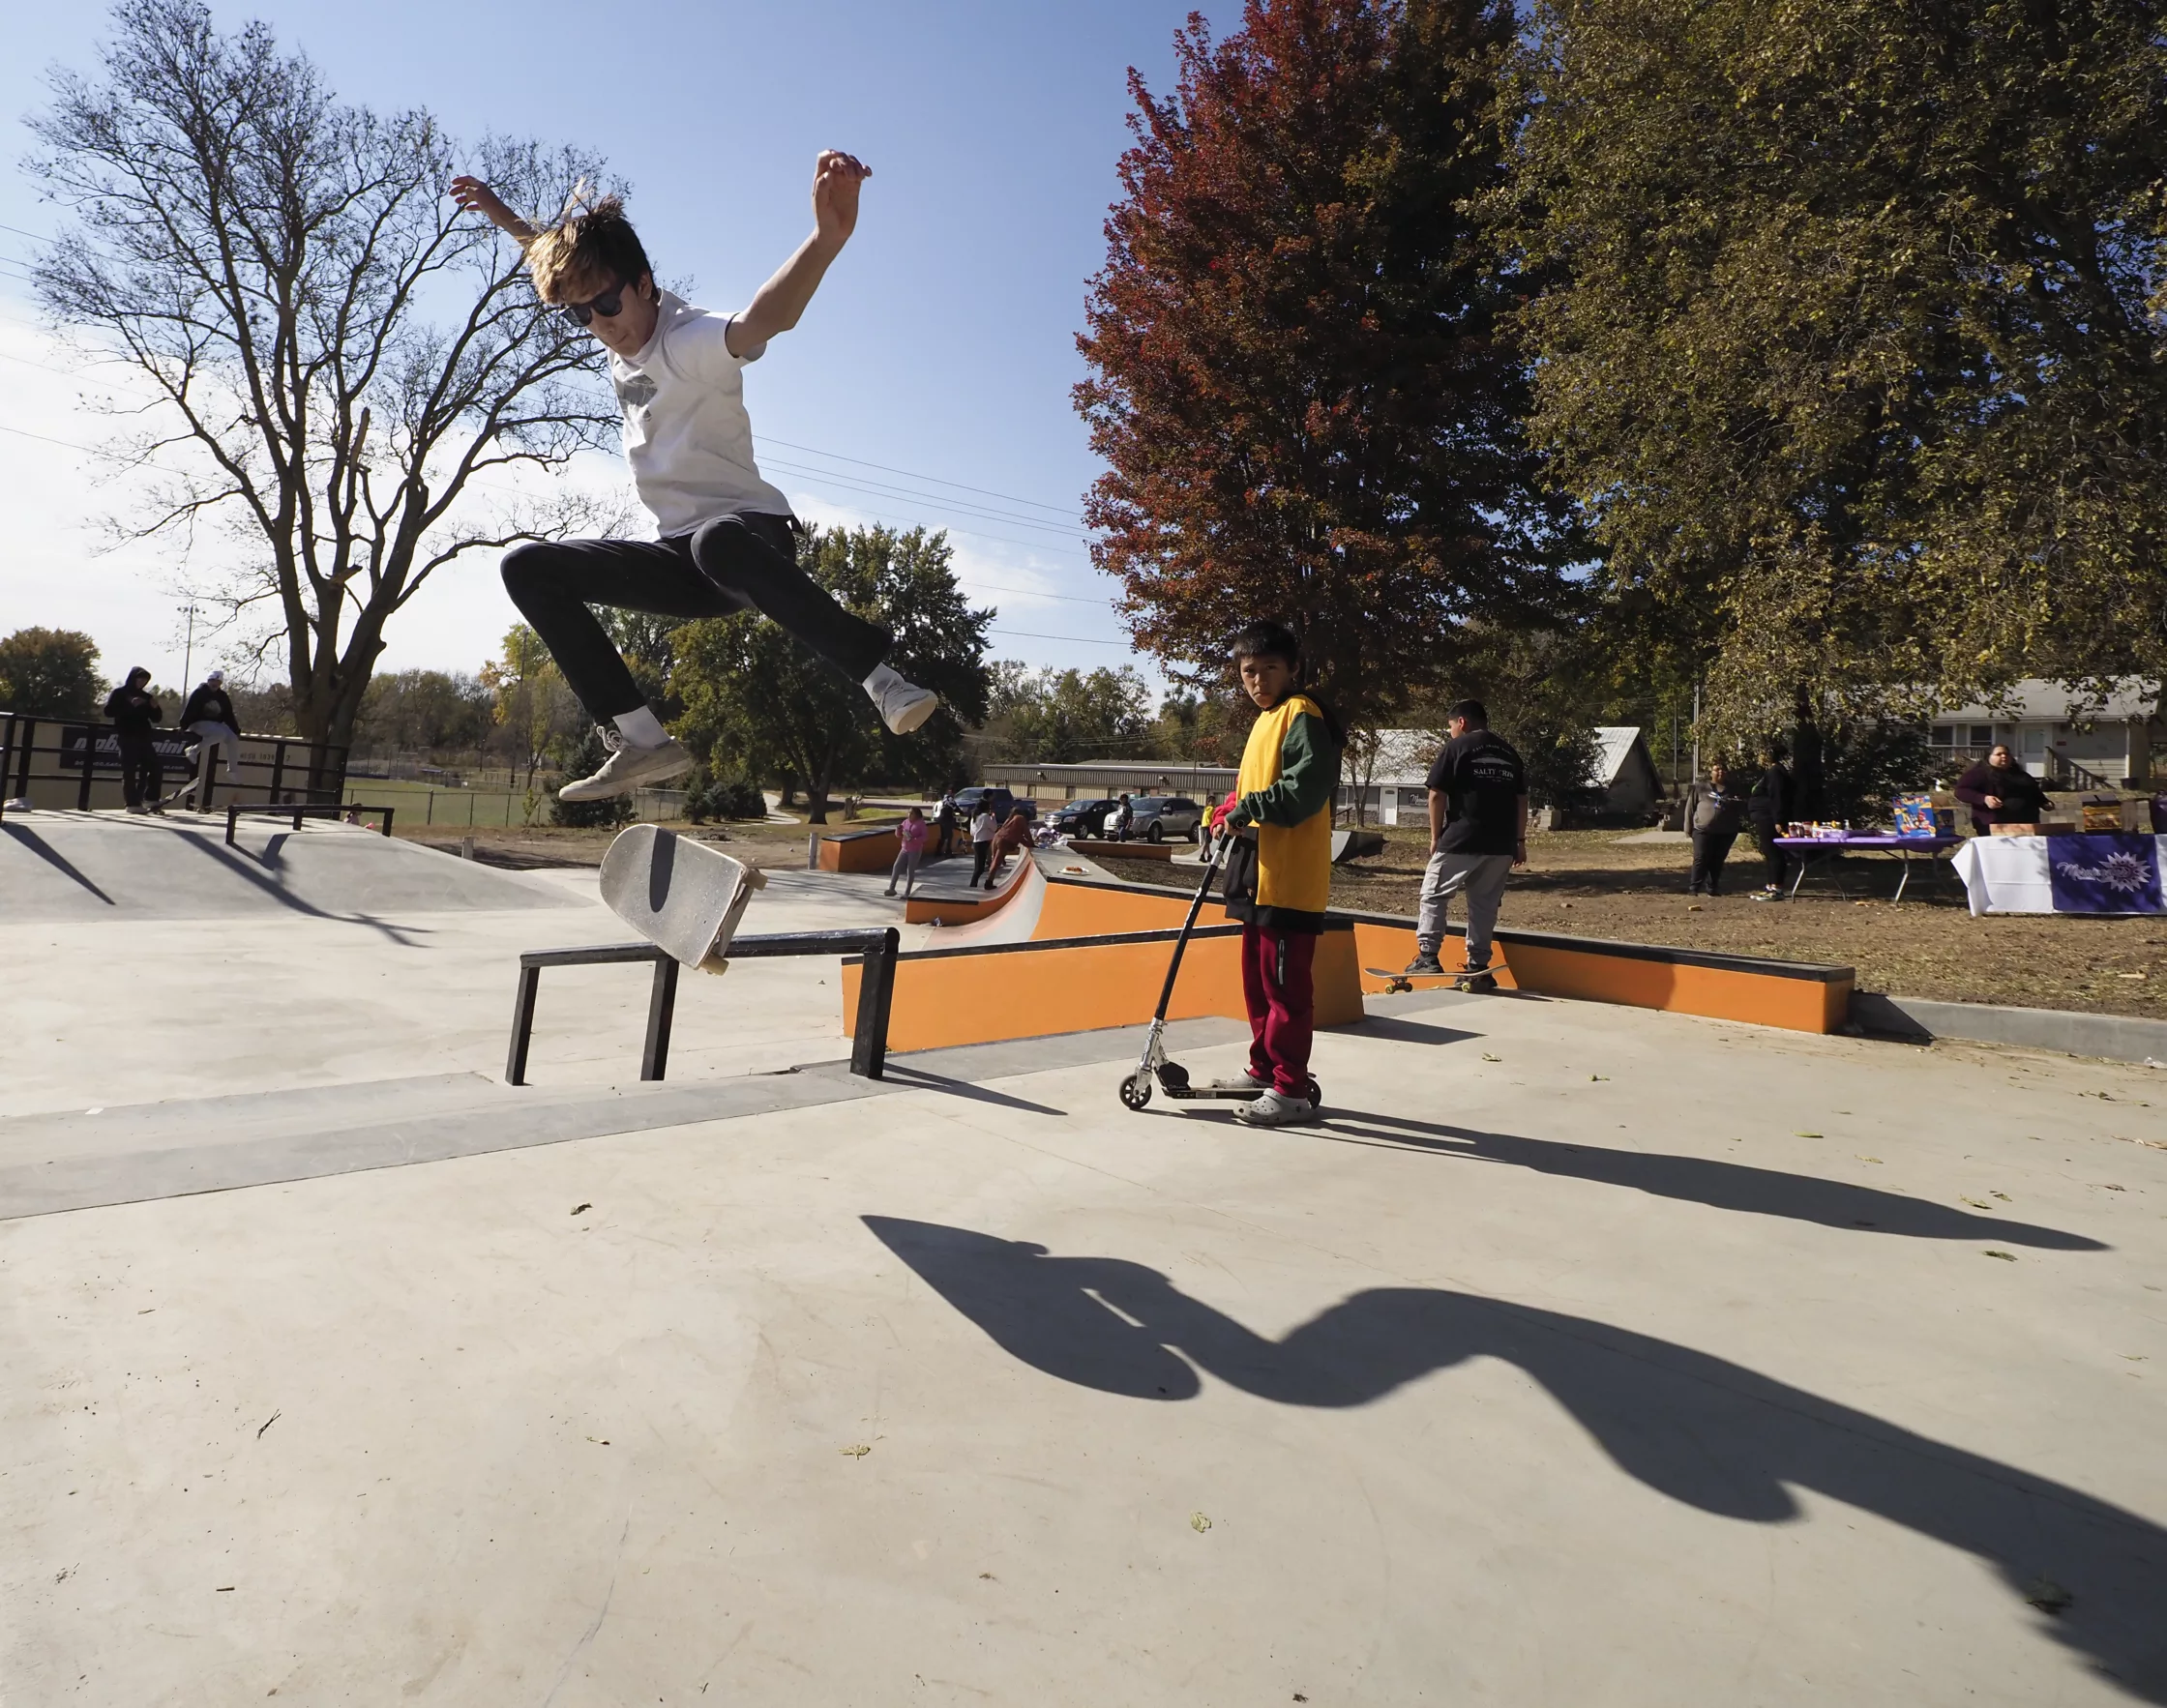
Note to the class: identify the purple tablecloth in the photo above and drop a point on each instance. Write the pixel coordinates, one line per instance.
(1837, 844)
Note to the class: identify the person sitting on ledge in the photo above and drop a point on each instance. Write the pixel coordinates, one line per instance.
(2001, 791)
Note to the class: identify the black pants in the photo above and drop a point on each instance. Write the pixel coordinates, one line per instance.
(979, 853)
(142, 775)
(734, 564)
(1710, 850)
(1777, 860)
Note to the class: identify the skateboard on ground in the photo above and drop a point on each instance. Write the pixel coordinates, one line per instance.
(681, 896)
(1397, 982)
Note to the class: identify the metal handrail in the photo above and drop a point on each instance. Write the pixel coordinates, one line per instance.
(20, 750)
(869, 1045)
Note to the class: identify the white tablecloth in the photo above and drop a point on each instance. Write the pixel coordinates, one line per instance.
(2008, 874)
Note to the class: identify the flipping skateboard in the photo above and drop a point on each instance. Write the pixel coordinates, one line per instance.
(1397, 982)
(681, 896)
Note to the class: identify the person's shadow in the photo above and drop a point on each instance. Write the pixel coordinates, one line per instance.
(1715, 1180)
(1702, 1431)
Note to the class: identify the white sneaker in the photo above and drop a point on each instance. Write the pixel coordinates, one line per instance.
(628, 768)
(1275, 1108)
(903, 705)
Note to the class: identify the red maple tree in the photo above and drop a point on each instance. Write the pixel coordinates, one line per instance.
(1298, 384)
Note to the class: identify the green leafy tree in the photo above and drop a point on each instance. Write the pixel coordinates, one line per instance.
(1058, 717)
(531, 702)
(1297, 383)
(425, 711)
(1849, 338)
(755, 699)
(585, 758)
(49, 673)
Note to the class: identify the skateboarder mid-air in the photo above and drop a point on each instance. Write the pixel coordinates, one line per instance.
(727, 535)
(1279, 880)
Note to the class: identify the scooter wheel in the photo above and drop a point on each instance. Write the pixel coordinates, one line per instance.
(1316, 1096)
(1136, 1091)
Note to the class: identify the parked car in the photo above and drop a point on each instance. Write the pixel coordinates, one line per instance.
(1002, 801)
(1081, 818)
(1156, 817)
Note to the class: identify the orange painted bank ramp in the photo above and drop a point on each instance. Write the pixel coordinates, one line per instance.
(1055, 953)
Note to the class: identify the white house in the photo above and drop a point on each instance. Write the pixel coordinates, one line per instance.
(1396, 789)
(2087, 745)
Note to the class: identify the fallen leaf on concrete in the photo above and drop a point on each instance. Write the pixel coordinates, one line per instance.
(268, 1422)
(2134, 1357)
(1863, 1158)
(2004, 1196)
(1199, 1523)
(2048, 1596)
(576, 1209)
(2005, 1256)
(1488, 1057)
(598, 1440)
(2104, 1187)
(857, 1449)
(1975, 1203)
(1805, 1135)
(1594, 1076)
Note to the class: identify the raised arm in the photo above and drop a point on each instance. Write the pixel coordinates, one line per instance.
(779, 304)
(477, 198)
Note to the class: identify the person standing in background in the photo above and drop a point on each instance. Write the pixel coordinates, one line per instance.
(910, 843)
(135, 714)
(1713, 818)
(1478, 832)
(1770, 806)
(209, 716)
(982, 824)
(2001, 791)
(945, 824)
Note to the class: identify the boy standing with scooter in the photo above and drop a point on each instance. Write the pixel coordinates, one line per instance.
(1279, 876)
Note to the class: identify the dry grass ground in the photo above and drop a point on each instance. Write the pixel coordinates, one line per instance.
(1591, 884)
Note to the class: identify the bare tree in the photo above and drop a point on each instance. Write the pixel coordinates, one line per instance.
(337, 354)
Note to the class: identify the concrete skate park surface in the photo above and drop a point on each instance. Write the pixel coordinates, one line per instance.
(1583, 1354)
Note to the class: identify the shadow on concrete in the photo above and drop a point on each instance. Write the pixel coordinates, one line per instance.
(1710, 1433)
(1399, 1031)
(52, 857)
(1700, 1180)
(245, 867)
(918, 1080)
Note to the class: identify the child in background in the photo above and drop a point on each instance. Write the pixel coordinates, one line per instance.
(982, 824)
(910, 843)
(1279, 883)
(1016, 833)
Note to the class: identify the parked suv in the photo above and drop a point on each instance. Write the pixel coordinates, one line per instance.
(1081, 818)
(1156, 817)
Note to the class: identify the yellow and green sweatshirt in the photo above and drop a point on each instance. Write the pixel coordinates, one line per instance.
(1289, 773)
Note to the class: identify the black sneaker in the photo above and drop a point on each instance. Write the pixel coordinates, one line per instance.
(1423, 963)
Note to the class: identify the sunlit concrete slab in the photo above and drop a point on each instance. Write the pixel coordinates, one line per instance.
(1582, 1355)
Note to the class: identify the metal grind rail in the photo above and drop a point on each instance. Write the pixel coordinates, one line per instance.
(869, 1048)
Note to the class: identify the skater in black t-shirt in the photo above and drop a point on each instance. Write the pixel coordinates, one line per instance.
(1478, 832)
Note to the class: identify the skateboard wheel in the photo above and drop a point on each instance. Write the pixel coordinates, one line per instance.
(1136, 1091)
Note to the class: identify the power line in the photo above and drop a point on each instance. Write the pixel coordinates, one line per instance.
(988, 491)
(880, 488)
(1072, 639)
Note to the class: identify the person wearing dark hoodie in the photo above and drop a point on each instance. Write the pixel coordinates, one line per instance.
(2001, 791)
(1279, 874)
(1769, 807)
(209, 716)
(135, 714)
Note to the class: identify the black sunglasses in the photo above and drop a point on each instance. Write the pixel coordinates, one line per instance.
(608, 305)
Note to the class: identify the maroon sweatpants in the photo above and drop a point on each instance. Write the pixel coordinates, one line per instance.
(1275, 980)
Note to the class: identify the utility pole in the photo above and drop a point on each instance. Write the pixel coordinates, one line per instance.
(187, 653)
(1696, 729)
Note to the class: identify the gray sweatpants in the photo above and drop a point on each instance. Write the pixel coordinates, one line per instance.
(1481, 879)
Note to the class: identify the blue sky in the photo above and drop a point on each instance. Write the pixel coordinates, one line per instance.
(942, 344)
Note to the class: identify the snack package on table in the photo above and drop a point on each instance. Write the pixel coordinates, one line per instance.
(1916, 816)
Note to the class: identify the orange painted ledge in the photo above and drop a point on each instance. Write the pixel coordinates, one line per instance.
(944, 997)
(859, 850)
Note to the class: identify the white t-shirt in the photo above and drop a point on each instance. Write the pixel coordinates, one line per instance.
(687, 435)
(982, 826)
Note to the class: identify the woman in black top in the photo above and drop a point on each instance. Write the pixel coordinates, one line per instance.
(1769, 808)
(134, 715)
(2001, 791)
